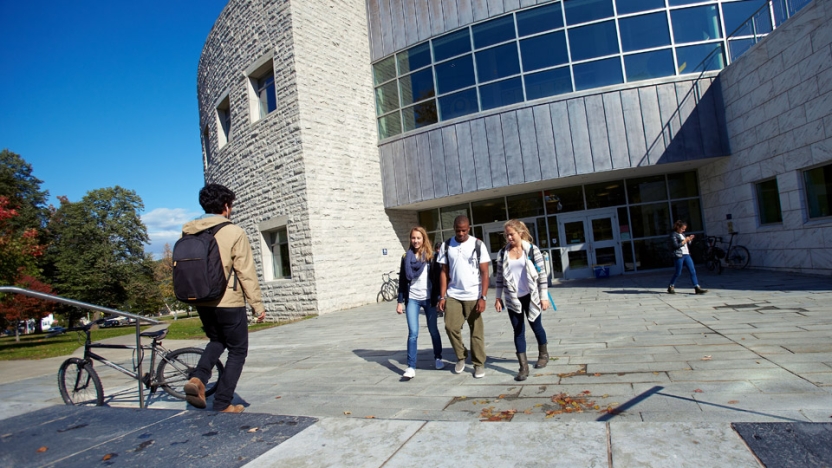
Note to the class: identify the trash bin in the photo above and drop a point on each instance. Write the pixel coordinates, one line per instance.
(602, 272)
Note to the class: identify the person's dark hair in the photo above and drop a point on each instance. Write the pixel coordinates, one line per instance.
(461, 219)
(214, 197)
(678, 224)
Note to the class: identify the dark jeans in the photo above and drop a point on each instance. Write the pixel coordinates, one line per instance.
(227, 328)
(687, 262)
(518, 323)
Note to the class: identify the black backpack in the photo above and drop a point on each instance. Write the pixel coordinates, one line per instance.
(198, 275)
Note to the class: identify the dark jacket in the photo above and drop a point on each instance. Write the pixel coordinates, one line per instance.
(676, 244)
(433, 281)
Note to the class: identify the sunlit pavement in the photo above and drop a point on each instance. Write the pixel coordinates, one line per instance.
(637, 377)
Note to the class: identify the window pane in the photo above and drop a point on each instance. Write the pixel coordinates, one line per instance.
(493, 32)
(542, 237)
(768, 202)
(447, 216)
(652, 254)
(282, 237)
(286, 269)
(690, 58)
(647, 65)
(737, 47)
(581, 11)
(419, 115)
(497, 62)
(689, 212)
(646, 189)
(683, 185)
(414, 58)
(644, 31)
(489, 211)
(695, 24)
(684, 2)
(548, 83)
(429, 220)
(544, 51)
(736, 14)
(632, 6)
(455, 74)
(650, 220)
(593, 41)
(417, 86)
(451, 45)
(602, 230)
(390, 125)
(501, 93)
(627, 250)
(574, 232)
(525, 205)
(384, 70)
(387, 98)
(539, 19)
(564, 200)
(819, 191)
(596, 74)
(458, 104)
(605, 194)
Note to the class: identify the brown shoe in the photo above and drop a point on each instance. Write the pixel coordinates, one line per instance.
(195, 393)
(233, 409)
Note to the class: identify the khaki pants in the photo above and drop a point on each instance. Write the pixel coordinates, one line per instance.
(456, 313)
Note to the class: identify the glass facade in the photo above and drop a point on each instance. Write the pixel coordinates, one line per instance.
(646, 209)
(561, 47)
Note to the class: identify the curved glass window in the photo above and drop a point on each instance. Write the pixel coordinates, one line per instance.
(390, 125)
(497, 62)
(454, 74)
(458, 104)
(684, 2)
(417, 86)
(501, 93)
(419, 115)
(647, 65)
(634, 6)
(493, 32)
(387, 98)
(539, 19)
(594, 40)
(691, 59)
(736, 14)
(597, 74)
(695, 24)
(582, 11)
(548, 83)
(644, 32)
(451, 45)
(414, 58)
(384, 70)
(546, 50)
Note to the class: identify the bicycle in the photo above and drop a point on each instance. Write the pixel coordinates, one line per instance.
(79, 383)
(735, 256)
(389, 287)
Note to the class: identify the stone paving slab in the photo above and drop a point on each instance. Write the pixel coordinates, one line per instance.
(789, 445)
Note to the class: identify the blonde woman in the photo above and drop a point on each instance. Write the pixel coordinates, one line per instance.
(521, 276)
(415, 292)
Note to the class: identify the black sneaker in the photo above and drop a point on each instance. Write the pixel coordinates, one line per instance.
(672, 290)
(699, 290)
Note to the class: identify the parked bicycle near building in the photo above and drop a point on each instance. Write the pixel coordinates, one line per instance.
(389, 287)
(733, 256)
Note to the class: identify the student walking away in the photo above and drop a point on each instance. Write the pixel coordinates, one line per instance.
(415, 287)
(520, 277)
(463, 293)
(679, 243)
(224, 319)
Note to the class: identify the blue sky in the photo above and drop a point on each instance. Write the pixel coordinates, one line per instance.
(102, 93)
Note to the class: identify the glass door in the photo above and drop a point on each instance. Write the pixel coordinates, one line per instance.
(575, 246)
(588, 241)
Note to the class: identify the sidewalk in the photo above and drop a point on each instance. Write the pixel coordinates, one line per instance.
(649, 379)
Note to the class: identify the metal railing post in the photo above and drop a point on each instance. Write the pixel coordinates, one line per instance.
(139, 359)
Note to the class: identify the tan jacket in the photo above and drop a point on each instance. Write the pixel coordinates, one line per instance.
(235, 252)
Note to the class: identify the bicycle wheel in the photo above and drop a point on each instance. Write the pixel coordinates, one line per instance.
(175, 368)
(390, 291)
(710, 264)
(79, 383)
(738, 257)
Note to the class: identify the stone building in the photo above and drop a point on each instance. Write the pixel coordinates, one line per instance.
(342, 123)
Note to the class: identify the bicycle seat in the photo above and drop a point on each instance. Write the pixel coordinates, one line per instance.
(156, 335)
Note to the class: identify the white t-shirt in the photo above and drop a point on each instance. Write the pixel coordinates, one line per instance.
(464, 271)
(419, 286)
(685, 250)
(517, 272)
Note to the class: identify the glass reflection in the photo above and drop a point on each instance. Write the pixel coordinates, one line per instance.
(695, 24)
(497, 62)
(592, 41)
(683, 185)
(632, 6)
(417, 86)
(429, 219)
(574, 232)
(419, 115)
(546, 50)
(390, 125)
(644, 31)
(451, 45)
(599, 73)
(647, 65)
(690, 58)
(414, 58)
(736, 14)
(564, 200)
(605, 194)
(501, 93)
(458, 104)
(539, 19)
(489, 211)
(455, 74)
(578, 259)
(605, 256)
(548, 83)
(646, 189)
(387, 98)
(526, 205)
(493, 32)
(384, 70)
(602, 230)
(582, 11)
(650, 220)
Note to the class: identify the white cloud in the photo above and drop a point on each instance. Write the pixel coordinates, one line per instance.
(164, 226)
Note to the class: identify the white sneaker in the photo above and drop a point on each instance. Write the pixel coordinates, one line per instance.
(410, 373)
(460, 366)
(440, 364)
(479, 372)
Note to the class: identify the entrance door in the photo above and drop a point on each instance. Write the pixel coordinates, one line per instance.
(590, 240)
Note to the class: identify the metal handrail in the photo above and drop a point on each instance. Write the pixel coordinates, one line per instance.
(83, 305)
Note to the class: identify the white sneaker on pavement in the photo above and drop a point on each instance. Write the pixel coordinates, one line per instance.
(479, 372)
(410, 373)
(440, 364)
(460, 366)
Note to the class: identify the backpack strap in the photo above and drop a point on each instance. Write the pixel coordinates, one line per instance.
(213, 230)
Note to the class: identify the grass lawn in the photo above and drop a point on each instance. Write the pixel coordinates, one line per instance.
(39, 346)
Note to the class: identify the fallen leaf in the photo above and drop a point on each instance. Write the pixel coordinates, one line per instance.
(597, 374)
(253, 429)
(369, 417)
(278, 397)
(347, 412)
(42, 449)
(706, 358)
(107, 457)
(501, 396)
(698, 390)
(605, 395)
(529, 411)
(463, 397)
(733, 402)
(655, 373)
(586, 392)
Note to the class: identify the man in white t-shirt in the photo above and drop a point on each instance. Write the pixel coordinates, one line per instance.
(463, 287)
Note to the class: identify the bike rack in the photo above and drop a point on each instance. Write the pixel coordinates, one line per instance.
(83, 305)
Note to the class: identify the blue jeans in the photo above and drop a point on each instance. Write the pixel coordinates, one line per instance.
(688, 262)
(412, 312)
(518, 323)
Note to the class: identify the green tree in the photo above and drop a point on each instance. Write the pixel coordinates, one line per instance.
(23, 192)
(97, 254)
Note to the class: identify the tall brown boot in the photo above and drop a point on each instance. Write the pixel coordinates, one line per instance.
(524, 368)
(542, 357)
